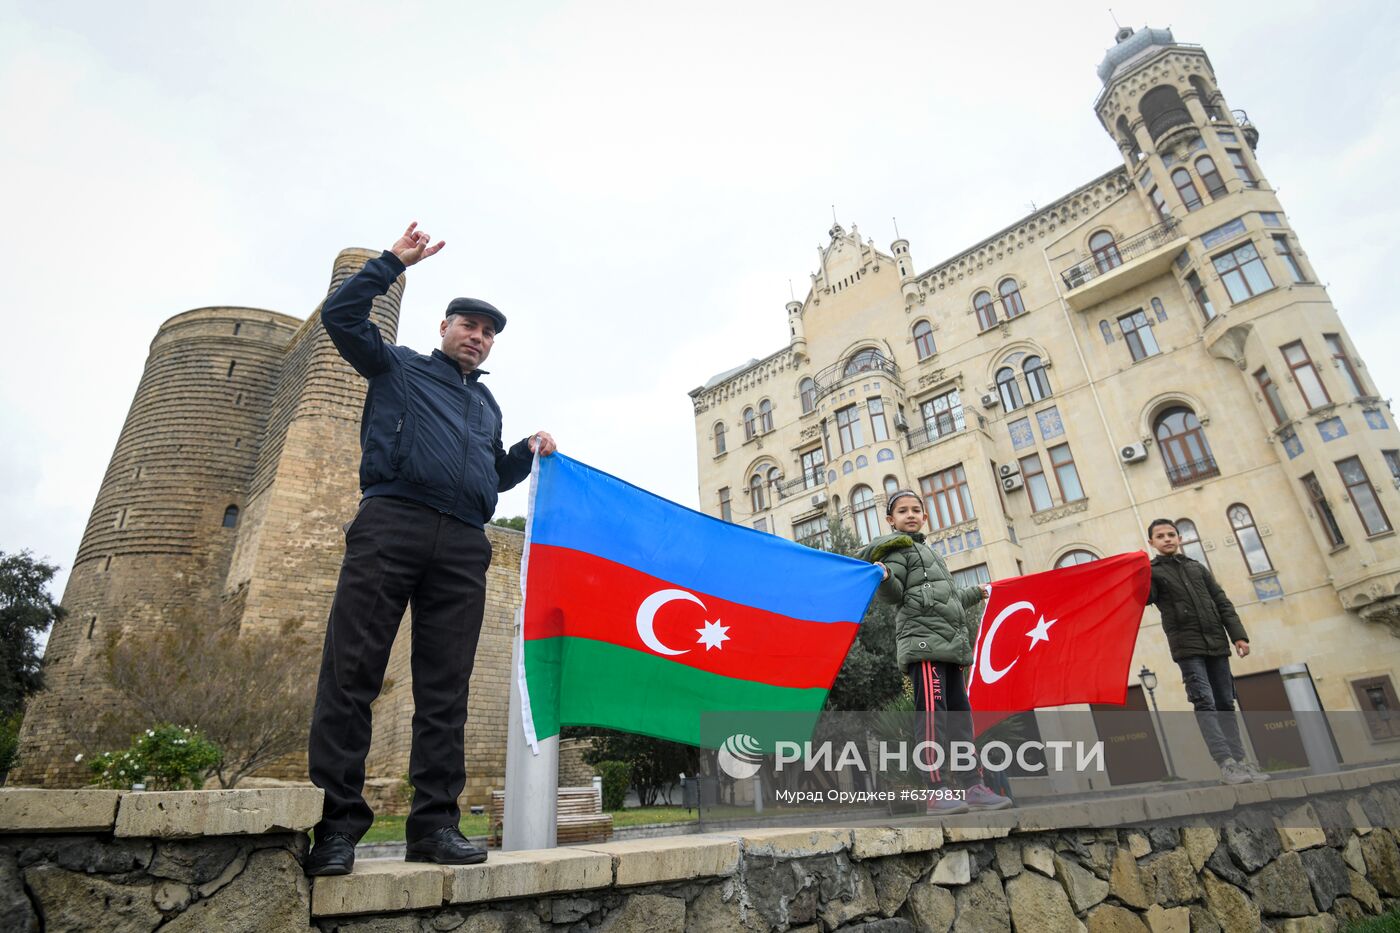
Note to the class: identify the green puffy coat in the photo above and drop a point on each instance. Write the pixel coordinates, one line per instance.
(1197, 617)
(936, 620)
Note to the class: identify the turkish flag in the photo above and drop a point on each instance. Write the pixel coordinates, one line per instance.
(1063, 636)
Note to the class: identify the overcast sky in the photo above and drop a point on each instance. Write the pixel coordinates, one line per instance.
(634, 184)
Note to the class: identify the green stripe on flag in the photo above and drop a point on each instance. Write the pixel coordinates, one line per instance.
(581, 682)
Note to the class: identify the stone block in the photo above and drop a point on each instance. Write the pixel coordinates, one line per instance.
(1286, 789)
(1110, 918)
(1173, 880)
(33, 810)
(1365, 893)
(977, 827)
(1230, 906)
(893, 876)
(1319, 923)
(932, 907)
(922, 838)
(1300, 828)
(982, 906)
(73, 901)
(646, 913)
(1317, 784)
(1360, 820)
(1327, 873)
(1040, 857)
(1118, 811)
(1199, 842)
(1217, 799)
(795, 843)
(1169, 806)
(1008, 856)
(184, 813)
(954, 868)
(1138, 845)
(717, 909)
(1246, 794)
(378, 886)
(1054, 816)
(1351, 854)
(1039, 905)
(1125, 881)
(675, 858)
(270, 895)
(857, 901)
(1083, 887)
(526, 873)
(1382, 862)
(1252, 839)
(1161, 920)
(876, 841)
(1282, 888)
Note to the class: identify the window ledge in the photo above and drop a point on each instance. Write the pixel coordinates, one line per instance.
(1244, 301)
(720, 456)
(1381, 535)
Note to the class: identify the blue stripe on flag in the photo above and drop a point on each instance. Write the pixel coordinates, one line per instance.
(588, 510)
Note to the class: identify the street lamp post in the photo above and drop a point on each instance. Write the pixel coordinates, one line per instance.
(1149, 683)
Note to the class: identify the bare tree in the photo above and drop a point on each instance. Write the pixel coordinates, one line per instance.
(249, 695)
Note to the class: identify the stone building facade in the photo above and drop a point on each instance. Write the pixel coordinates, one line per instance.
(1156, 343)
(225, 501)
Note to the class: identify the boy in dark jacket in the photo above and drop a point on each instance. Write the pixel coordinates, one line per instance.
(936, 630)
(1200, 623)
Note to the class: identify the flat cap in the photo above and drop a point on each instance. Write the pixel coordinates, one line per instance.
(476, 306)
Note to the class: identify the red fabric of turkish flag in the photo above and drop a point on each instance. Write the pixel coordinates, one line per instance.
(1063, 636)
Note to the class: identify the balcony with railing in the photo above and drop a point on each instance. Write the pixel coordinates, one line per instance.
(812, 482)
(1184, 474)
(850, 370)
(927, 435)
(1124, 264)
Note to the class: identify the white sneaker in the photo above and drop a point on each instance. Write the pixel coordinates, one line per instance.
(1253, 771)
(1233, 773)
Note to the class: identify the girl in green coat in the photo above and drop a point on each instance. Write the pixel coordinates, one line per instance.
(936, 629)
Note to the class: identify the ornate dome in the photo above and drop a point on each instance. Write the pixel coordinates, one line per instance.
(1131, 44)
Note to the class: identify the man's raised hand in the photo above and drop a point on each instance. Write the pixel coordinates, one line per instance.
(413, 245)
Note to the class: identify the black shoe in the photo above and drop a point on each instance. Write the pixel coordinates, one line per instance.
(333, 854)
(445, 846)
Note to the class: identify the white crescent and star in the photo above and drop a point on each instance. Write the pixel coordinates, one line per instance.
(1038, 633)
(713, 635)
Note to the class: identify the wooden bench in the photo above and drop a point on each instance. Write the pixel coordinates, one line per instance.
(578, 810)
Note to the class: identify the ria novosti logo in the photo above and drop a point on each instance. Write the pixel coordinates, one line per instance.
(740, 756)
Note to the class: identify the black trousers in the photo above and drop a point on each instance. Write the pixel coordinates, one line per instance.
(942, 715)
(399, 553)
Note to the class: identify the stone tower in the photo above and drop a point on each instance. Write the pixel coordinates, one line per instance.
(225, 500)
(1194, 162)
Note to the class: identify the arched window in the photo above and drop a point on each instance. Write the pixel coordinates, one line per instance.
(864, 512)
(1105, 251)
(1256, 559)
(986, 310)
(749, 428)
(1207, 103)
(1036, 379)
(1191, 540)
(1210, 176)
(1185, 452)
(923, 340)
(1075, 558)
(864, 360)
(1158, 309)
(1107, 330)
(807, 389)
(1011, 298)
(765, 416)
(1162, 109)
(758, 497)
(1009, 389)
(1186, 188)
(1127, 140)
(774, 483)
(231, 517)
(891, 487)
(719, 438)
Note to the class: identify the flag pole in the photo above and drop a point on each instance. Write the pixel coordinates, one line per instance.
(532, 764)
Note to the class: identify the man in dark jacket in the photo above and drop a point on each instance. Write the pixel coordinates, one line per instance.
(431, 466)
(1200, 623)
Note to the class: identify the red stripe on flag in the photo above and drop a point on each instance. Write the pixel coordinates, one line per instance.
(578, 595)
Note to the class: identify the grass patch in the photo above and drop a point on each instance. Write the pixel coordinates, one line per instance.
(391, 828)
(1386, 923)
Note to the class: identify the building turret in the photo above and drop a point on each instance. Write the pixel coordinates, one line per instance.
(905, 263)
(795, 332)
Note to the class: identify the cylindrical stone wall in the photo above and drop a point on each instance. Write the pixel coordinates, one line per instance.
(158, 541)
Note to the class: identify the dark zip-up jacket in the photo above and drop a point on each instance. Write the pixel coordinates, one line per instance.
(936, 620)
(429, 433)
(1198, 618)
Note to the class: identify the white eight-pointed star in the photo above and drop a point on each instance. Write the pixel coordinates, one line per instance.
(712, 635)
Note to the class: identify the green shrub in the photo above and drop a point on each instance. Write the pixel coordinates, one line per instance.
(617, 775)
(9, 742)
(164, 758)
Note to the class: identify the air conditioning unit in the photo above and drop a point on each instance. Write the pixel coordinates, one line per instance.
(1075, 278)
(900, 424)
(990, 400)
(1133, 453)
(1007, 469)
(819, 499)
(1012, 483)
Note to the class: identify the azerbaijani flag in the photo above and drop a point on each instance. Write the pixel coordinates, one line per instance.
(640, 614)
